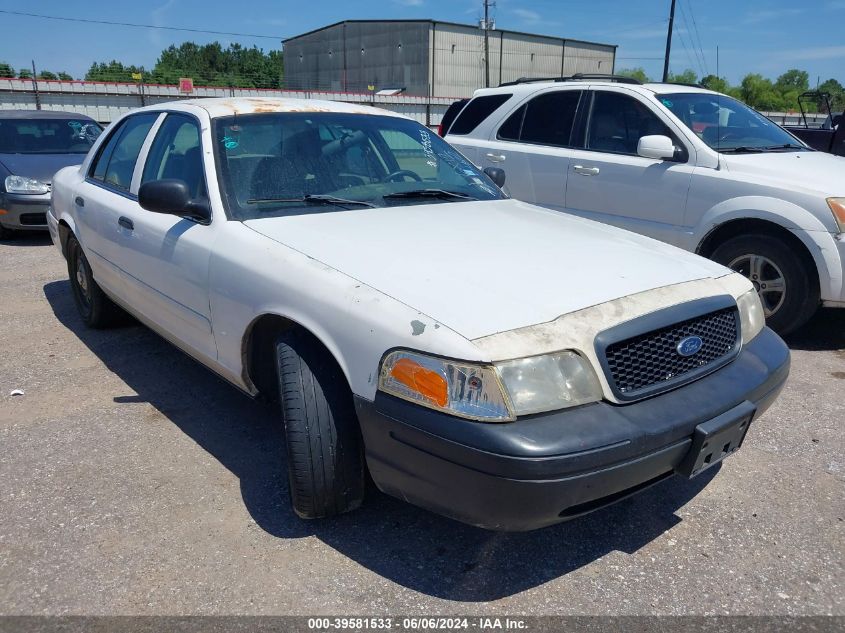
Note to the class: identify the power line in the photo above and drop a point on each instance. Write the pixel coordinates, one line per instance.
(698, 37)
(138, 26)
(689, 34)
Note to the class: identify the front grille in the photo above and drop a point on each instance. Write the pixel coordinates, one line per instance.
(33, 219)
(651, 360)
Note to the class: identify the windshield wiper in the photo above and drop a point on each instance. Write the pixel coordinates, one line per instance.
(428, 193)
(785, 146)
(314, 199)
(743, 149)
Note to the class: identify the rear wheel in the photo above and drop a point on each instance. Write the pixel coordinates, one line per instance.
(324, 447)
(787, 285)
(95, 308)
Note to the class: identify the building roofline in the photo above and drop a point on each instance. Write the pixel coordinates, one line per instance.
(435, 22)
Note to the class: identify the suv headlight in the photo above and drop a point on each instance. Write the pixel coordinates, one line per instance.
(751, 315)
(837, 207)
(22, 184)
(490, 393)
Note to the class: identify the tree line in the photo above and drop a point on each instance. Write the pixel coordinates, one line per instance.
(207, 64)
(761, 93)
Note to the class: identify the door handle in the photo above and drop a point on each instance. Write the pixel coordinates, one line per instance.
(495, 158)
(126, 223)
(586, 171)
(80, 202)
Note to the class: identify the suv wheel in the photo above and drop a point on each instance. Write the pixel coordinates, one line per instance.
(787, 286)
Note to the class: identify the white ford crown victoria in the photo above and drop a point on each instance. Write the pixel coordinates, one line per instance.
(493, 361)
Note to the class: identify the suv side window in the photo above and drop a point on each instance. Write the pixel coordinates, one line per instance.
(617, 123)
(545, 120)
(476, 111)
(176, 153)
(116, 161)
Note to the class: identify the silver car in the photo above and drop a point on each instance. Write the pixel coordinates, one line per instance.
(34, 145)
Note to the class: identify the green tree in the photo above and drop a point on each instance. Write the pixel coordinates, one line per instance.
(719, 84)
(634, 73)
(213, 65)
(46, 74)
(24, 73)
(837, 94)
(111, 71)
(759, 93)
(6, 70)
(686, 77)
(64, 76)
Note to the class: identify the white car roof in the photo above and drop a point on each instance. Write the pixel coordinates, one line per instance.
(228, 106)
(649, 88)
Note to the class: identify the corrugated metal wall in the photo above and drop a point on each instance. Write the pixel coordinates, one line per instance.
(355, 55)
(424, 57)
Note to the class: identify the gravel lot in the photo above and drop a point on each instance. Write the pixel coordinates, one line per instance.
(133, 481)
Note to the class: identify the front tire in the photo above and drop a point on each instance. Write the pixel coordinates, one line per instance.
(324, 446)
(95, 308)
(787, 285)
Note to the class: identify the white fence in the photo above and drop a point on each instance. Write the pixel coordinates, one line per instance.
(105, 101)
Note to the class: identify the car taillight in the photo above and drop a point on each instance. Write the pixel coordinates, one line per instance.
(440, 130)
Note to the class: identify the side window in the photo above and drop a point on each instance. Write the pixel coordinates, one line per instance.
(116, 161)
(549, 118)
(476, 111)
(176, 153)
(618, 122)
(512, 127)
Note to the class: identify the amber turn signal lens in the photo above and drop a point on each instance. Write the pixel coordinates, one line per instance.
(837, 206)
(425, 382)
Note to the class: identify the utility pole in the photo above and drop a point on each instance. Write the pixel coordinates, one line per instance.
(669, 43)
(35, 87)
(487, 5)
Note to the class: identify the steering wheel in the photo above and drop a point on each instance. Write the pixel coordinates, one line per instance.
(401, 173)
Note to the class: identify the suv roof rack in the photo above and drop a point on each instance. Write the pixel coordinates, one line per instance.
(576, 77)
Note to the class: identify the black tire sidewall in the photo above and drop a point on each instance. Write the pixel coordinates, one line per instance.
(802, 284)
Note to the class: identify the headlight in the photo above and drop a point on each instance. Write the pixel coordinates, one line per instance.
(491, 393)
(751, 315)
(22, 184)
(837, 206)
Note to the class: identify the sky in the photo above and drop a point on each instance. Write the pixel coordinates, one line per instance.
(760, 36)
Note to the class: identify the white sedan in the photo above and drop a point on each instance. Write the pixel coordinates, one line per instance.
(491, 360)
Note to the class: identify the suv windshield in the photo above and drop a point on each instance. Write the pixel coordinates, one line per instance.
(727, 125)
(298, 162)
(47, 136)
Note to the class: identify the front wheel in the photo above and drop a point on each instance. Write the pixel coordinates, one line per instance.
(324, 446)
(787, 286)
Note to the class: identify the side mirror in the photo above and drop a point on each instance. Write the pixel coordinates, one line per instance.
(656, 146)
(173, 197)
(497, 175)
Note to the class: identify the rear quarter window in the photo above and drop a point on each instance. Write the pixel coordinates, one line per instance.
(476, 111)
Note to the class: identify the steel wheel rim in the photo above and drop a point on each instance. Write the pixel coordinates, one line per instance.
(83, 289)
(767, 278)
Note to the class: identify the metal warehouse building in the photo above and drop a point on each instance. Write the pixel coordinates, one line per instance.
(427, 57)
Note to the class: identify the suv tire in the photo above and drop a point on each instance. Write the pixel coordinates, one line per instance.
(765, 259)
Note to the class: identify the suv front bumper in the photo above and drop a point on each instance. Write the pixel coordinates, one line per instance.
(548, 468)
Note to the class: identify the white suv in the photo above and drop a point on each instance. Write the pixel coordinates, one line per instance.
(679, 163)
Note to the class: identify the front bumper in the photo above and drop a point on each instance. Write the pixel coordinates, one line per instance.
(548, 468)
(24, 212)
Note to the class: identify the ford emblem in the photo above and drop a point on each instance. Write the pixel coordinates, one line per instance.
(689, 346)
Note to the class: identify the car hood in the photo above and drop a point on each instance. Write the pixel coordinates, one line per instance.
(39, 166)
(486, 267)
(811, 172)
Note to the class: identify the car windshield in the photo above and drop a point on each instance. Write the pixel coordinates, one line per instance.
(727, 125)
(47, 136)
(297, 162)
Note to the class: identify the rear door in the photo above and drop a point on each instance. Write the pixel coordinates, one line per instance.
(534, 145)
(608, 181)
(104, 196)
